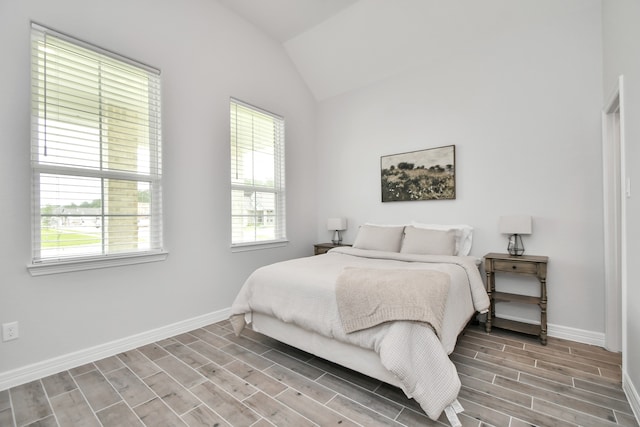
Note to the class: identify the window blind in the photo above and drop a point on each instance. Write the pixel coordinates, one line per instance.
(257, 175)
(95, 151)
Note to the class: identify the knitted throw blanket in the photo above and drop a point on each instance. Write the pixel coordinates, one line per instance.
(367, 297)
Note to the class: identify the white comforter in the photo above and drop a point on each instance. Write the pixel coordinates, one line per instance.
(302, 291)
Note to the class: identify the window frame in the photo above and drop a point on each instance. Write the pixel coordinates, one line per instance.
(279, 184)
(58, 264)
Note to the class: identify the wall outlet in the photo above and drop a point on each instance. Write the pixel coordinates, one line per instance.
(10, 331)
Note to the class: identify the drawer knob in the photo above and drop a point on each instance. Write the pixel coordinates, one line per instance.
(514, 267)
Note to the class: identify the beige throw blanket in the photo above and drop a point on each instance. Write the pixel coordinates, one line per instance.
(367, 297)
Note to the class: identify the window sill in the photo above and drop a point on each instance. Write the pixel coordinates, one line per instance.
(243, 247)
(54, 267)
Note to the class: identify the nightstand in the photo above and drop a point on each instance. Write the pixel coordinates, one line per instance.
(527, 265)
(323, 248)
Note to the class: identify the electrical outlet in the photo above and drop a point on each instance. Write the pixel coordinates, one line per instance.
(10, 331)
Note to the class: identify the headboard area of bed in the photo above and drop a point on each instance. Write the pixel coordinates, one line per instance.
(416, 238)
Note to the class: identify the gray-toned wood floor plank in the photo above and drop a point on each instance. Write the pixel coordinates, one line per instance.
(558, 398)
(72, 410)
(235, 412)
(520, 358)
(220, 328)
(129, 386)
(153, 351)
(5, 400)
(6, 417)
(97, 390)
(626, 420)
(314, 411)
(296, 381)
(187, 355)
(56, 384)
(347, 374)
(202, 416)
(185, 338)
(577, 393)
(247, 343)
(30, 403)
(138, 363)
(247, 356)
(364, 397)
(294, 364)
(109, 364)
(172, 393)
(180, 371)
(568, 414)
(211, 353)
(210, 338)
(358, 413)
(156, 413)
(226, 380)
(613, 391)
(119, 415)
(276, 412)
(83, 369)
(488, 366)
(482, 413)
(511, 394)
(256, 378)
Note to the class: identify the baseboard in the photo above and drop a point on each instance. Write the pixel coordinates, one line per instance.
(632, 395)
(567, 333)
(48, 367)
(578, 335)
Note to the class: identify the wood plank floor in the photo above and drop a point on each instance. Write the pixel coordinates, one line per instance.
(209, 377)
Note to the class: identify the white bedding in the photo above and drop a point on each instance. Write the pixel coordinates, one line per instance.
(302, 292)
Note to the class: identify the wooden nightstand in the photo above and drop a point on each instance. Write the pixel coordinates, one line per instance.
(528, 265)
(323, 248)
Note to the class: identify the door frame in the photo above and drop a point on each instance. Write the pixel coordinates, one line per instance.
(615, 192)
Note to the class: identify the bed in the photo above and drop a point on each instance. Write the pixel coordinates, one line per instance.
(416, 289)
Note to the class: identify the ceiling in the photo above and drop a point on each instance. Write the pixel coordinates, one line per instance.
(285, 19)
(342, 45)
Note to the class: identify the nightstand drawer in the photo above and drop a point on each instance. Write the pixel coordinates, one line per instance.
(515, 266)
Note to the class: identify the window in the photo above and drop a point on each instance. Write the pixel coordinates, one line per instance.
(95, 153)
(257, 176)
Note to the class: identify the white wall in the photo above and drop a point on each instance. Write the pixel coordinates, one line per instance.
(521, 102)
(621, 35)
(206, 55)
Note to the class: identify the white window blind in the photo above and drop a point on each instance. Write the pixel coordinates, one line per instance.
(95, 152)
(257, 176)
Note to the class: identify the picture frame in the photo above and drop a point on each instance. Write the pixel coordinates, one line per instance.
(419, 175)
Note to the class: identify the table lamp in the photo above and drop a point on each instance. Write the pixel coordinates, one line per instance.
(515, 226)
(337, 225)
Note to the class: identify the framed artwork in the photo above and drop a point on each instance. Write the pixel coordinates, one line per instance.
(419, 175)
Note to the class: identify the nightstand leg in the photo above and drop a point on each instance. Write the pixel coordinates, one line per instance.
(492, 307)
(543, 311)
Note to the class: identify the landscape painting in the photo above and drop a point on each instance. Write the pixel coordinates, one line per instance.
(419, 175)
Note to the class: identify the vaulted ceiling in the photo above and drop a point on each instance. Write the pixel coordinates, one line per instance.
(341, 45)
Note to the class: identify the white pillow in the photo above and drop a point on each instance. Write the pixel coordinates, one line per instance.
(426, 241)
(379, 238)
(464, 235)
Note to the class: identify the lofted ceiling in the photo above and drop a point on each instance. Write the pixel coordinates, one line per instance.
(341, 45)
(285, 19)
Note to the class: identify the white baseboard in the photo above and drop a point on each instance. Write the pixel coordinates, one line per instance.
(48, 367)
(578, 335)
(567, 333)
(632, 395)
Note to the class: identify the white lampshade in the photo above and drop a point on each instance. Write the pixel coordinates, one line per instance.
(515, 224)
(337, 224)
